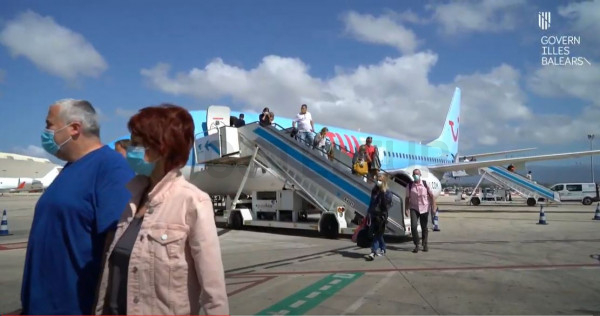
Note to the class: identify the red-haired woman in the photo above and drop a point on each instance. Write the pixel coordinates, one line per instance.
(165, 256)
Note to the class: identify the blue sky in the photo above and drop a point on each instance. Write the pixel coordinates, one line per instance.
(387, 67)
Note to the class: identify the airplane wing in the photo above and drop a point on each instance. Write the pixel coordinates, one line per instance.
(466, 166)
(470, 157)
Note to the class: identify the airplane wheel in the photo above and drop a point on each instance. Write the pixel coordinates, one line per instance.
(475, 201)
(237, 221)
(531, 201)
(329, 226)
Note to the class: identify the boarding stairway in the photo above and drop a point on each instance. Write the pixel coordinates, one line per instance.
(326, 182)
(526, 188)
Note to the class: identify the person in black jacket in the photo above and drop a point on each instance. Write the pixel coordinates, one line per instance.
(240, 121)
(264, 119)
(381, 201)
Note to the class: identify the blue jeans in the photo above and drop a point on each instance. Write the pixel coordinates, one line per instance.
(378, 243)
(306, 137)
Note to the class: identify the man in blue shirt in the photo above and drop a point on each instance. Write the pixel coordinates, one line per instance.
(73, 216)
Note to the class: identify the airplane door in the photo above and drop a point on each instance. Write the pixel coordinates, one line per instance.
(217, 116)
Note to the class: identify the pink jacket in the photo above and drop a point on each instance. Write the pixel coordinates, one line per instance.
(175, 265)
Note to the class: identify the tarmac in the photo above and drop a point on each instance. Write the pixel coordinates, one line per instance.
(487, 259)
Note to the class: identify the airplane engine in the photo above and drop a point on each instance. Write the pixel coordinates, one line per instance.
(404, 176)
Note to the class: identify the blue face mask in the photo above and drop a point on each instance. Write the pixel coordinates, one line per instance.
(48, 142)
(135, 158)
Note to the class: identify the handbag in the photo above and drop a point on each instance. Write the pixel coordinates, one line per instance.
(361, 168)
(364, 234)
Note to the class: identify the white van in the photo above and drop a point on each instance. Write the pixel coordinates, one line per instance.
(584, 192)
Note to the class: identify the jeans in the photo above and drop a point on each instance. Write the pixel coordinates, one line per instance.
(378, 243)
(306, 137)
(415, 218)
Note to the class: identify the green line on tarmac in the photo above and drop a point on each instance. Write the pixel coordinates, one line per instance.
(306, 299)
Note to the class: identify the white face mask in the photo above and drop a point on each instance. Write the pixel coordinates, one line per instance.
(379, 183)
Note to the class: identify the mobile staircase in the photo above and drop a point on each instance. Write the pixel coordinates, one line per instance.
(524, 187)
(326, 181)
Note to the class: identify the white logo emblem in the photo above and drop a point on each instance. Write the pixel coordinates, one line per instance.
(544, 20)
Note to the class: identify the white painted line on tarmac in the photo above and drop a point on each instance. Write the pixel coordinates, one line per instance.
(370, 293)
(325, 288)
(297, 304)
(334, 282)
(313, 295)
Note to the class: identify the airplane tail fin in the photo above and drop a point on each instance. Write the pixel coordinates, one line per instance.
(448, 139)
(49, 177)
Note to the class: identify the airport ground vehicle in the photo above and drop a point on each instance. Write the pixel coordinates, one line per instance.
(584, 192)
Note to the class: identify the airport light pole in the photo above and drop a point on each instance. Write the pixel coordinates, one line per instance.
(591, 138)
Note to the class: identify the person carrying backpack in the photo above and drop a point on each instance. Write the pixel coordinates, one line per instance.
(419, 199)
(381, 201)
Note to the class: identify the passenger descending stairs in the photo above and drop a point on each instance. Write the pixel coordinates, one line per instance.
(523, 186)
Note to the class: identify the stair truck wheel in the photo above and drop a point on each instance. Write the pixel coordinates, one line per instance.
(328, 226)
(236, 221)
(531, 201)
(475, 201)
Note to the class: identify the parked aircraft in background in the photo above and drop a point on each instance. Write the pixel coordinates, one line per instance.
(29, 184)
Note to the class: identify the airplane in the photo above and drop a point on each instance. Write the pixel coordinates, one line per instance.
(398, 157)
(28, 184)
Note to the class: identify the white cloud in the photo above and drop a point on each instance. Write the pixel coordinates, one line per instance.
(477, 16)
(407, 16)
(585, 20)
(393, 97)
(278, 79)
(382, 30)
(52, 47)
(577, 81)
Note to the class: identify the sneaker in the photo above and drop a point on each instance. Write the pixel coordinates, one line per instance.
(381, 253)
(371, 256)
